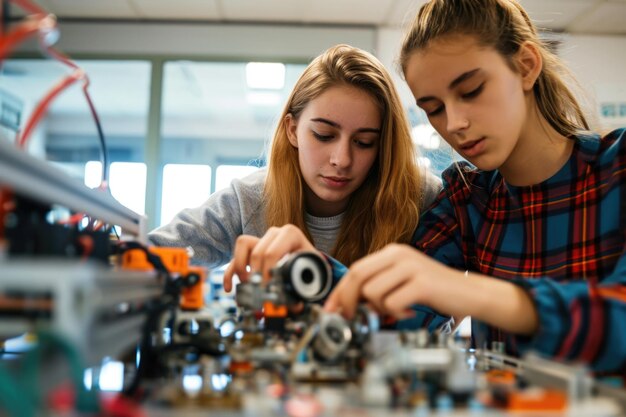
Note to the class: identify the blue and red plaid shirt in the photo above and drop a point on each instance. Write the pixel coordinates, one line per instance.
(563, 240)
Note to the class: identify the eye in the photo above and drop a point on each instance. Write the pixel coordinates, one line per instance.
(434, 112)
(323, 138)
(474, 93)
(364, 144)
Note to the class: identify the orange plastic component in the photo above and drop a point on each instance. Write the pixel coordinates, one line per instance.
(192, 298)
(536, 400)
(240, 367)
(175, 260)
(500, 377)
(272, 310)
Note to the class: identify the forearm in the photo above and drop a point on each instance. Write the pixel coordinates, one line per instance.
(493, 301)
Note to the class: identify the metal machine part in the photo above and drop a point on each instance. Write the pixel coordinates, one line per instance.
(364, 324)
(306, 276)
(27, 176)
(333, 337)
(574, 380)
(250, 295)
(98, 309)
(190, 323)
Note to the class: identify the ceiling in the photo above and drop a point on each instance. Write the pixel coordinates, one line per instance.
(574, 16)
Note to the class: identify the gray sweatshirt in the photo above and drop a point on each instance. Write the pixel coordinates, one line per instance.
(212, 228)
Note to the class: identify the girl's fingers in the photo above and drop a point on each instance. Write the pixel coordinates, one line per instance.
(261, 255)
(347, 294)
(228, 277)
(258, 255)
(378, 289)
(239, 263)
(288, 240)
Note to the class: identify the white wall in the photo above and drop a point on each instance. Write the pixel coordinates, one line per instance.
(598, 63)
(596, 60)
(387, 49)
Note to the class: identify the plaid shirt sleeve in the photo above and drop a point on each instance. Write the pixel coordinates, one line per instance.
(585, 320)
(579, 321)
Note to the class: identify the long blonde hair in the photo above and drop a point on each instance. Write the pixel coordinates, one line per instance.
(505, 26)
(385, 208)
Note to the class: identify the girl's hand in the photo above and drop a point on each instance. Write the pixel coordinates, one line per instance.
(252, 254)
(392, 280)
(399, 276)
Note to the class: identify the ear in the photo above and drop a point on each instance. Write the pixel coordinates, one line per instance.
(291, 125)
(530, 64)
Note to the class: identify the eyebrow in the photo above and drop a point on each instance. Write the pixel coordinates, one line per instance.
(338, 126)
(458, 80)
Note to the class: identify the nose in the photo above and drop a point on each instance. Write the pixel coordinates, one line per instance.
(341, 153)
(458, 120)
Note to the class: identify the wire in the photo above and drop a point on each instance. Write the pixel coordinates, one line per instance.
(12, 398)
(39, 22)
(104, 154)
(59, 56)
(4, 15)
(43, 105)
(28, 6)
(18, 393)
(86, 401)
(45, 26)
(18, 35)
(155, 260)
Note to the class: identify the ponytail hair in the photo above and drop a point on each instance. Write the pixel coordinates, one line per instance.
(505, 26)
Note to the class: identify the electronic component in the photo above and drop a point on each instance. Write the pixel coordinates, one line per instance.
(306, 276)
(333, 337)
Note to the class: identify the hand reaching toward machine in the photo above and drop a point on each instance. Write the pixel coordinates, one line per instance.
(253, 254)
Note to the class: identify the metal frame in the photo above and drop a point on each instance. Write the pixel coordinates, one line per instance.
(81, 294)
(39, 180)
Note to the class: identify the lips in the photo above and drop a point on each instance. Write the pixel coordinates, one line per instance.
(470, 144)
(472, 148)
(336, 181)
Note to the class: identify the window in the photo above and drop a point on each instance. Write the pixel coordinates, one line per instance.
(433, 152)
(127, 182)
(183, 186)
(67, 135)
(226, 173)
(212, 117)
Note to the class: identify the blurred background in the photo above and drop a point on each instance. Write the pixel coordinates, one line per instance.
(188, 91)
